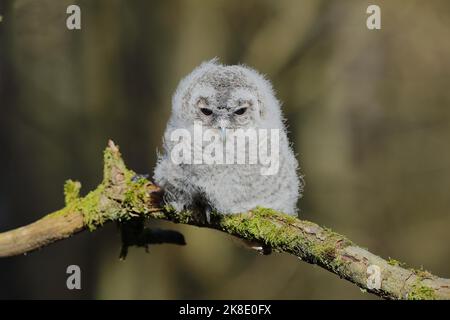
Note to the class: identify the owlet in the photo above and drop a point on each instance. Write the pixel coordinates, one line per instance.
(228, 130)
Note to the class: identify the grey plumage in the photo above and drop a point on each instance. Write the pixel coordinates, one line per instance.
(233, 97)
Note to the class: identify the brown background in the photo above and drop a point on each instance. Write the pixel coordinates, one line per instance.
(368, 113)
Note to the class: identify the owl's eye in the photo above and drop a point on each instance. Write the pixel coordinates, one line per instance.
(206, 111)
(240, 111)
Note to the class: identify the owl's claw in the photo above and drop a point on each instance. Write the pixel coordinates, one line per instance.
(139, 176)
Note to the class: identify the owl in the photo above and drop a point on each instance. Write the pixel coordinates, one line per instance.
(225, 100)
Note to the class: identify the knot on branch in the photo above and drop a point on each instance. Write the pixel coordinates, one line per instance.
(115, 173)
(121, 196)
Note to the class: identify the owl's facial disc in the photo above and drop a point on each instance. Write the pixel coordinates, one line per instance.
(220, 107)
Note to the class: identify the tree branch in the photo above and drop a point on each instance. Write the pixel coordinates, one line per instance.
(124, 196)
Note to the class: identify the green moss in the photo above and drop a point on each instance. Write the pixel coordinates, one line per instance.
(325, 252)
(58, 213)
(396, 263)
(97, 209)
(169, 209)
(185, 216)
(71, 191)
(303, 238)
(421, 292)
(112, 162)
(393, 262)
(284, 233)
(267, 212)
(256, 227)
(136, 195)
(182, 217)
(71, 198)
(115, 196)
(89, 206)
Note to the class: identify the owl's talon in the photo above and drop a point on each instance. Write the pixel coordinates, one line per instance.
(139, 176)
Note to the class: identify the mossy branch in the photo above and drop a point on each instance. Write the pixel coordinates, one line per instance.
(124, 196)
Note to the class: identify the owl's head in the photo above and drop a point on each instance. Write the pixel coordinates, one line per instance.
(226, 97)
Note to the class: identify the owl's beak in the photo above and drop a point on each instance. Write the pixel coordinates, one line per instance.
(223, 124)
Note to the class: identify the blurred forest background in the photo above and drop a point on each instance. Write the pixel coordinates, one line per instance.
(368, 111)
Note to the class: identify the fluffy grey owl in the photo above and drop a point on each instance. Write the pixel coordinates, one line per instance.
(224, 99)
